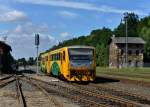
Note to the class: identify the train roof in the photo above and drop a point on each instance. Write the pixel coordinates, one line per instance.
(74, 46)
(80, 46)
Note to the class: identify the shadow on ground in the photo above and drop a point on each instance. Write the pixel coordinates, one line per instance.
(25, 71)
(99, 80)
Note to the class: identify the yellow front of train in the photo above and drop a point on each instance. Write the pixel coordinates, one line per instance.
(82, 64)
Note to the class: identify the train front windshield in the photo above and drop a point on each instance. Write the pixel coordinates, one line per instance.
(81, 57)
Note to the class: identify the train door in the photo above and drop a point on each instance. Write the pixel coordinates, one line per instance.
(63, 63)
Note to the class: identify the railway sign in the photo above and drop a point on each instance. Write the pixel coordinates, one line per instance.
(37, 39)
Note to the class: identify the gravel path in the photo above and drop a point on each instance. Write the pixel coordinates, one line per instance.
(8, 99)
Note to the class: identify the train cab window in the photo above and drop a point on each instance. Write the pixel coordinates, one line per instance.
(63, 55)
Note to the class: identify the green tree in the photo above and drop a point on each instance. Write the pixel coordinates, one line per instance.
(132, 25)
(22, 62)
(31, 61)
(145, 34)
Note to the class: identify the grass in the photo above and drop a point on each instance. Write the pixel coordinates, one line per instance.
(140, 74)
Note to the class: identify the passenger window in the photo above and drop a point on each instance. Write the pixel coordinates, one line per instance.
(46, 58)
(58, 56)
(55, 57)
(52, 57)
(63, 55)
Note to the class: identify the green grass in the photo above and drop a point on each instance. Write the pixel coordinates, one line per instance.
(140, 74)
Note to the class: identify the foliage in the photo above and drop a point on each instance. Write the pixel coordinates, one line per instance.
(31, 61)
(24, 62)
(132, 25)
(100, 38)
(21, 61)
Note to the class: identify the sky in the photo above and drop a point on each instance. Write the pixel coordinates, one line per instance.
(59, 20)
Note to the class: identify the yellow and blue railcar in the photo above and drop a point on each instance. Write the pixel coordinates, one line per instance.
(73, 63)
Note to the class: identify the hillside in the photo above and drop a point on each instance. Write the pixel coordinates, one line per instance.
(99, 38)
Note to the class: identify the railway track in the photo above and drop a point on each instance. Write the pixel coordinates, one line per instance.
(20, 95)
(6, 80)
(95, 96)
(54, 87)
(117, 101)
(125, 94)
(50, 99)
(5, 77)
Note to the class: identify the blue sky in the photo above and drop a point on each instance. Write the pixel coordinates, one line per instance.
(58, 20)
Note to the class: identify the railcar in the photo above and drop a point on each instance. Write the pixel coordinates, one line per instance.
(73, 63)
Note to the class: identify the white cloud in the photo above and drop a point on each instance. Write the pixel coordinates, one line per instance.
(11, 15)
(51, 38)
(68, 14)
(22, 39)
(30, 29)
(65, 34)
(81, 5)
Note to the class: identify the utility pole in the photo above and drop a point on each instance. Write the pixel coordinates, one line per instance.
(126, 40)
(37, 42)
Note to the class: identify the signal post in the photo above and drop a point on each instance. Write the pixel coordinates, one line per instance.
(37, 42)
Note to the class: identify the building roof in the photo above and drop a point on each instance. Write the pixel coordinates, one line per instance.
(132, 40)
(5, 46)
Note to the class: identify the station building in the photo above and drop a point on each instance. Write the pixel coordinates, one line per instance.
(117, 52)
(4, 52)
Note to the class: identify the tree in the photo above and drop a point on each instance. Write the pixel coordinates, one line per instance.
(132, 25)
(145, 34)
(31, 61)
(102, 55)
(22, 62)
(99, 38)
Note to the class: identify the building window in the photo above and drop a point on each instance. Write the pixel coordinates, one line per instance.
(122, 52)
(142, 51)
(137, 52)
(129, 52)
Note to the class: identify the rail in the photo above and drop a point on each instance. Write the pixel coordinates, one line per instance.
(20, 95)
